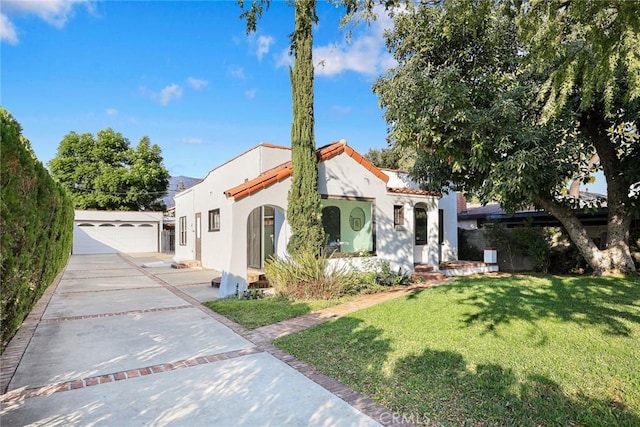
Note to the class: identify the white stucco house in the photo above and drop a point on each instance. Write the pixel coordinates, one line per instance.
(235, 218)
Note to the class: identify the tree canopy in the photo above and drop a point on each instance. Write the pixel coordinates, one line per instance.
(511, 101)
(105, 173)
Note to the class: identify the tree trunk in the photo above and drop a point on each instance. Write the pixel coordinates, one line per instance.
(577, 232)
(594, 126)
(616, 257)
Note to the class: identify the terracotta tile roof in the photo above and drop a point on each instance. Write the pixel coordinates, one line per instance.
(263, 180)
(403, 190)
(285, 170)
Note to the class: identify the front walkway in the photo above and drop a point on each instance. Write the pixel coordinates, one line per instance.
(112, 343)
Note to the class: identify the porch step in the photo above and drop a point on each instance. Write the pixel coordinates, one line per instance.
(428, 275)
(186, 264)
(450, 265)
(422, 268)
(255, 281)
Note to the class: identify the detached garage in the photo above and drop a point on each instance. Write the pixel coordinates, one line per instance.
(105, 232)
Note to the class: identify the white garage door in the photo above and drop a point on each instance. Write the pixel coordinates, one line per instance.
(109, 237)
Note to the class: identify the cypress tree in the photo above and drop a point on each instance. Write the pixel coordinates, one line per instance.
(303, 210)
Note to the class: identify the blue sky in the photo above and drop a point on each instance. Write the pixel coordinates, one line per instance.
(183, 73)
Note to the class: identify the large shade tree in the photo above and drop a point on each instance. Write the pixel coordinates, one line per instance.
(512, 101)
(105, 173)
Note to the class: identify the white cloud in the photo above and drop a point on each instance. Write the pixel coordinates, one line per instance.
(168, 94)
(54, 12)
(264, 44)
(366, 53)
(235, 71)
(191, 140)
(284, 59)
(8, 31)
(251, 93)
(112, 112)
(196, 84)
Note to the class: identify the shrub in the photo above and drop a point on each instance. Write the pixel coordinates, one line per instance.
(467, 250)
(307, 276)
(387, 277)
(534, 241)
(36, 219)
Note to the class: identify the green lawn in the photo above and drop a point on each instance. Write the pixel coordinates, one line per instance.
(492, 351)
(259, 312)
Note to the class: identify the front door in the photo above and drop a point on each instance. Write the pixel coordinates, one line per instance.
(440, 233)
(198, 237)
(254, 239)
(420, 229)
(260, 236)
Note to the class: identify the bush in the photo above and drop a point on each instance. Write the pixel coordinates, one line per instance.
(467, 250)
(307, 276)
(534, 241)
(36, 219)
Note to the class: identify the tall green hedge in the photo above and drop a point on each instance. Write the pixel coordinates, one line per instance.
(36, 226)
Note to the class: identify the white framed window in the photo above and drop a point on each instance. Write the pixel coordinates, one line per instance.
(398, 216)
(183, 230)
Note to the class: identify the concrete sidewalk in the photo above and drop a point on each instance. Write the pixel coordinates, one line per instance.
(112, 343)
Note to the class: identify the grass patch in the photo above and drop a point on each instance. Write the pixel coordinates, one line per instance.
(260, 312)
(522, 350)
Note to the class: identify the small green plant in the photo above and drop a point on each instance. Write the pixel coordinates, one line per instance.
(387, 277)
(251, 294)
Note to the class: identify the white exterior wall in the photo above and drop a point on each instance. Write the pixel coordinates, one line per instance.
(209, 194)
(448, 203)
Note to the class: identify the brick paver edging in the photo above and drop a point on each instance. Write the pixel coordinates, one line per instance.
(18, 345)
(20, 394)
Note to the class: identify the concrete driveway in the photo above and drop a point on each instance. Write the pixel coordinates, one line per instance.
(115, 344)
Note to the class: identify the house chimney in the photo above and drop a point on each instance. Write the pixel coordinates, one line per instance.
(461, 202)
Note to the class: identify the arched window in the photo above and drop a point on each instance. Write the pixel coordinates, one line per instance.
(126, 225)
(145, 225)
(85, 224)
(106, 225)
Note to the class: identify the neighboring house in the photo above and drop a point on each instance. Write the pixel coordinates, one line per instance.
(101, 232)
(236, 217)
(475, 216)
